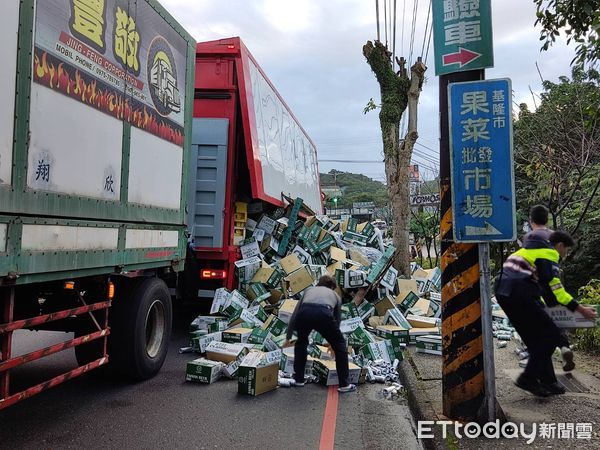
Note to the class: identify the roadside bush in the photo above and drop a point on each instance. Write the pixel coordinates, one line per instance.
(589, 338)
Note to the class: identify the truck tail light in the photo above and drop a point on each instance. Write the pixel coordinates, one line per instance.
(213, 274)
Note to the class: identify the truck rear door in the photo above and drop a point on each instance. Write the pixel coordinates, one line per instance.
(206, 201)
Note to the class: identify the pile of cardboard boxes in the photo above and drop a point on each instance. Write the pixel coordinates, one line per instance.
(281, 257)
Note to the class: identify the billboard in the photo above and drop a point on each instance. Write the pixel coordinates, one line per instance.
(118, 56)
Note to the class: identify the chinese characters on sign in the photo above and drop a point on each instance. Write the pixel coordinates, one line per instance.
(126, 41)
(463, 35)
(481, 155)
(88, 20)
(121, 54)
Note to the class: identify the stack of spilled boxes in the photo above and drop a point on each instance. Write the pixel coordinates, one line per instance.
(243, 336)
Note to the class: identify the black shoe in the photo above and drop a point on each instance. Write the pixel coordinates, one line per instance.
(554, 388)
(531, 386)
(567, 356)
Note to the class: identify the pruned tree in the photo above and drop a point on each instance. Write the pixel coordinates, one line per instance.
(399, 91)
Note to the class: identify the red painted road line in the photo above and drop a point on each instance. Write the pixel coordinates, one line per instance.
(329, 419)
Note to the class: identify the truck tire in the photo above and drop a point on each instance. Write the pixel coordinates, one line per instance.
(141, 329)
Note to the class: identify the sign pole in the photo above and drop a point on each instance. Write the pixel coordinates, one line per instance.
(489, 369)
(475, 206)
(462, 374)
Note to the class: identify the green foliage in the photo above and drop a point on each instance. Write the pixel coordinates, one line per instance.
(356, 188)
(589, 339)
(580, 19)
(425, 227)
(557, 163)
(370, 106)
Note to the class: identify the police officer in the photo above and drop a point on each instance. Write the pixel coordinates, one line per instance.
(527, 275)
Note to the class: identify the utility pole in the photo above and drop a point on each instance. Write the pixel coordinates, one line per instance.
(468, 374)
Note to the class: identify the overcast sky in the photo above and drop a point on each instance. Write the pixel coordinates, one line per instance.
(312, 52)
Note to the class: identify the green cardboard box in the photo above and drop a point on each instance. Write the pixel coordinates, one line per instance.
(431, 344)
(326, 372)
(409, 301)
(394, 317)
(218, 325)
(258, 336)
(199, 343)
(254, 379)
(257, 292)
(355, 238)
(380, 265)
(275, 325)
(388, 350)
(236, 335)
(247, 268)
(224, 352)
(202, 370)
(352, 224)
(393, 331)
(360, 337)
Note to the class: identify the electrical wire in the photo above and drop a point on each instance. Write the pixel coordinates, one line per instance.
(394, 38)
(385, 23)
(377, 18)
(426, 26)
(414, 27)
(429, 38)
(403, 22)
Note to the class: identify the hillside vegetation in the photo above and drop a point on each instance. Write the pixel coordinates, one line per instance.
(355, 188)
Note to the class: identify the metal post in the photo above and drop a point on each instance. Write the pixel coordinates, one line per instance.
(489, 370)
(462, 372)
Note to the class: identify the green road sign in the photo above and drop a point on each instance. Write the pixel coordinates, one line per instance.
(462, 35)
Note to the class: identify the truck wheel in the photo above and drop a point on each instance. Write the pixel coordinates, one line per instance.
(141, 329)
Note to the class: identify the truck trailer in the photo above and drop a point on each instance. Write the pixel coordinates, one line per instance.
(249, 153)
(93, 181)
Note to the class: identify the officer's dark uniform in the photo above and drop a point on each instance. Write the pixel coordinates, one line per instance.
(527, 275)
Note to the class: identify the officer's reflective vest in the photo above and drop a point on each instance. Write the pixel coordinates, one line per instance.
(533, 254)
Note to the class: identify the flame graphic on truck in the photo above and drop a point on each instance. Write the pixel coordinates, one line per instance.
(164, 83)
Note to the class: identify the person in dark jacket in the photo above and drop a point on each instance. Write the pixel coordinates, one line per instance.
(527, 275)
(320, 310)
(538, 219)
(540, 236)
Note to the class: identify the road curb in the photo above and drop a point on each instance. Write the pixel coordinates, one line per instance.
(419, 403)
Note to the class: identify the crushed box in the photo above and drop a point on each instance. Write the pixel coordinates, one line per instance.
(326, 372)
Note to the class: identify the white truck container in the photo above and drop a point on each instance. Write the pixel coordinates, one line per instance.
(95, 131)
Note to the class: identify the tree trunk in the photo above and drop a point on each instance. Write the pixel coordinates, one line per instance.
(397, 92)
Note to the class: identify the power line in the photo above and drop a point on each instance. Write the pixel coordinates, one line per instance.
(357, 161)
(414, 27)
(426, 26)
(377, 18)
(429, 38)
(385, 23)
(403, 22)
(394, 42)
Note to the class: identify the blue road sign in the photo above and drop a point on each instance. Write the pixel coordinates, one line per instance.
(481, 158)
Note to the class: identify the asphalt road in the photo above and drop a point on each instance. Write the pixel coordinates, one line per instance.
(91, 412)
